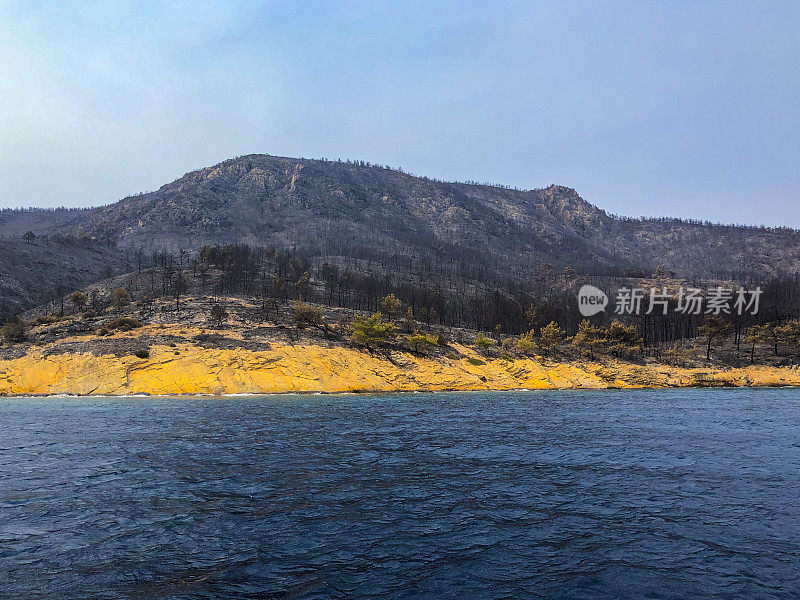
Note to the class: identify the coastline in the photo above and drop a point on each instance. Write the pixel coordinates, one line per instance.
(187, 369)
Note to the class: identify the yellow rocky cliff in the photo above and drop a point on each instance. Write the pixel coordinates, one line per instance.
(189, 369)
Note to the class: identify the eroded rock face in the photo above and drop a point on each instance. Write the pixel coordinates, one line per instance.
(190, 369)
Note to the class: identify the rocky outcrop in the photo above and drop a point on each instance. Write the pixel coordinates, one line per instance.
(190, 369)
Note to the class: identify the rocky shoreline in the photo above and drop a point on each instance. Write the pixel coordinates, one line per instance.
(184, 366)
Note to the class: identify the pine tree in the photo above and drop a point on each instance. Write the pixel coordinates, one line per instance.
(370, 331)
(587, 338)
(391, 306)
(715, 329)
(620, 339)
(525, 344)
(551, 337)
(757, 334)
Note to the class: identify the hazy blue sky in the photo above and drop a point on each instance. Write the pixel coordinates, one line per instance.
(658, 108)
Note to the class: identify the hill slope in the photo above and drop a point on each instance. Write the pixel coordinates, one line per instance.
(333, 209)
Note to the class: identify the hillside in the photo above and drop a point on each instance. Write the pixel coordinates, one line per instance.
(158, 347)
(32, 273)
(388, 221)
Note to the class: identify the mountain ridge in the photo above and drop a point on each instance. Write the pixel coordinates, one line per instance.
(334, 210)
(363, 164)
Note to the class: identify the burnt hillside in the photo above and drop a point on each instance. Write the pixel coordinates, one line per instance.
(386, 220)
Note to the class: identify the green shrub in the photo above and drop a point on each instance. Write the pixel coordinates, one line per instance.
(143, 353)
(46, 320)
(121, 297)
(304, 314)
(391, 306)
(13, 331)
(123, 324)
(420, 341)
(481, 341)
(218, 314)
(525, 344)
(370, 331)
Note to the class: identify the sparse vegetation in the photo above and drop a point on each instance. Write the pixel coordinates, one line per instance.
(525, 344)
(588, 338)
(304, 314)
(79, 300)
(218, 314)
(123, 324)
(121, 298)
(551, 337)
(421, 341)
(371, 331)
(46, 319)
(13, 331)
(483, 342)
(230, 271)
(714, 329)
(621, 340)
(678, 355)
(391, 306)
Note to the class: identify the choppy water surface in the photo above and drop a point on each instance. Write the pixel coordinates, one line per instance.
(657, 494)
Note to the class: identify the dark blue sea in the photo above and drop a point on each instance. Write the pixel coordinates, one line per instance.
(626, 494)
